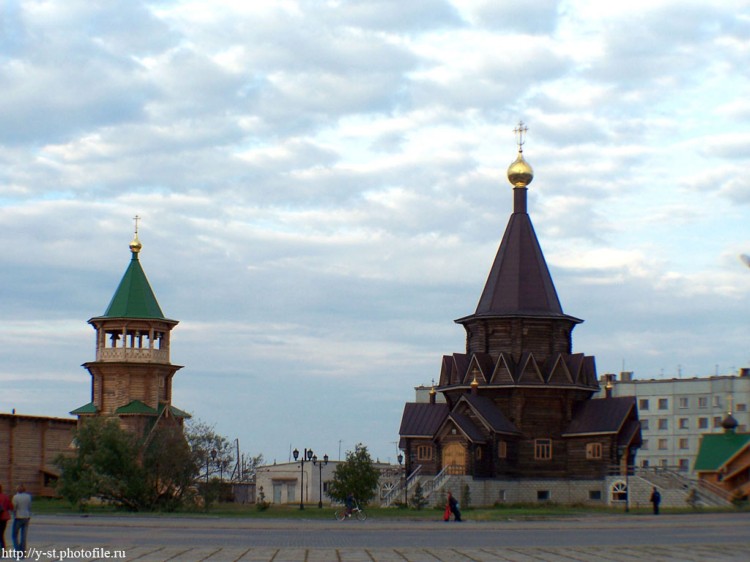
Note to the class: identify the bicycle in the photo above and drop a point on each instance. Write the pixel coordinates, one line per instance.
(356, 511)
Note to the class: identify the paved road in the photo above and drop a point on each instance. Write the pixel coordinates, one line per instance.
(687, 538)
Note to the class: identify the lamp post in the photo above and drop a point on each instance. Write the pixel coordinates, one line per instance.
(406, 483)
(307, 455)
(213, 458)
(320, 476)
(625, 455)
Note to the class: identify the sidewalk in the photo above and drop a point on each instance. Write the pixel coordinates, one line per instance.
(695, 553)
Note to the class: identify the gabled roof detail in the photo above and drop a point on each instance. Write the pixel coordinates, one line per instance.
(575, 366)
(528, 370)
(445, 370)
(504, 369)
(558, 373)
(488, 412)
(173, 411)
(134, 297)
(479, 366)
(466, 426)
(602, 415)
(459, 366)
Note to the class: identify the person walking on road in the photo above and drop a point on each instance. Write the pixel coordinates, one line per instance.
(21, 518)
(453, 506)
(656, 500)
(5, 508)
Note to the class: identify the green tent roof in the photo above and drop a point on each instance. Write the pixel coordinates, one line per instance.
(85, 409)
(134, 297)
(717, 448)
(136, 407)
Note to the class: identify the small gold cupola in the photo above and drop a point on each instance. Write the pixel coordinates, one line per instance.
(135, 245)
(520, 173)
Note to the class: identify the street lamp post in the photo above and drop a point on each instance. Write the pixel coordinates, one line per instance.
(213, 458)
(406, 483)
(320, 476)
(307, 455)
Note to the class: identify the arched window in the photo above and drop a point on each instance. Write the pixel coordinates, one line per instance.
(619, 491)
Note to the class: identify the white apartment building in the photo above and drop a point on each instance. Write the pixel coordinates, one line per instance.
(674, 413)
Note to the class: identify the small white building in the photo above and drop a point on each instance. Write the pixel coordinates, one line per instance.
(287, 483)
(675, 412)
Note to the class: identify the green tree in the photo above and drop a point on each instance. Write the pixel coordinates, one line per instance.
(418, 501)
(355, 475)
(212, 452)
(170, 468)
(105, 465)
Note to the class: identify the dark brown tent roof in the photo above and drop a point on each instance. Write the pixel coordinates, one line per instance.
(605, 415)
(519, 283)
(468, 427)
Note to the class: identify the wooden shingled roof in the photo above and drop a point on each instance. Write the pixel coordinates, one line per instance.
(606, 415)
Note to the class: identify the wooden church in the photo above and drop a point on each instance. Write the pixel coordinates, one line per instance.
(131, 377)
(518, 402)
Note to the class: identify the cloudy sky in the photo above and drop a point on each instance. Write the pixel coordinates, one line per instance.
(322, 186)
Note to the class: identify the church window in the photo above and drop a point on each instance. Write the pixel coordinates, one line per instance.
(619, 491)
(424, 453)
(542, 495)
(595, 495)
(502, 450)
(542, 449)
(593, 450)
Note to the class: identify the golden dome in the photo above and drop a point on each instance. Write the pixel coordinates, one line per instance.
(520, 173)
(135, 245)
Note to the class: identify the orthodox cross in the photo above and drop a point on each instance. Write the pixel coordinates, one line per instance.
(136, 219)
(520, 131)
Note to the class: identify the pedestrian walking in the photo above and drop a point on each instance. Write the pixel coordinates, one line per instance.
(5, 508)
(21, 518)
(656, 500)
(454, 507)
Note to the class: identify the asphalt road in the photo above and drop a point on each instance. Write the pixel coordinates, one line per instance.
(594, 531)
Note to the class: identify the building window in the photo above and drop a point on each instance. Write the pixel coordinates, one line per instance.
(684, 402)
(595, 495)
(717, 401)
(663, 463)
(644, 463)
(424, 453)
(502, 450)
(702, 423)
(643, 404)
(619, 491)
(684, 465)
(684, 423)
(542, 495)
(742, 407)
(663, 403)
(703, 402)
(501, 496)
(663, 423)
(542, 449)
(644, 445)
(683, 443)
(717, 421)
(663, 444)
(644, 425)
(593, 450)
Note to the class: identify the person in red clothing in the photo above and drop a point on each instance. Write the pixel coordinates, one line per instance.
(5, 508)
